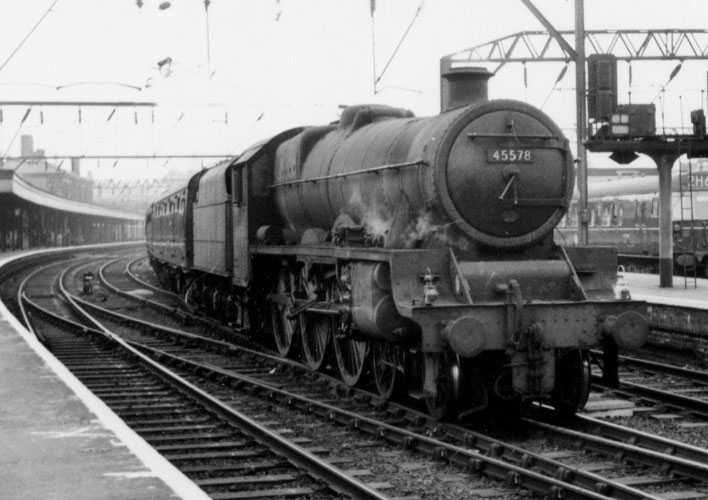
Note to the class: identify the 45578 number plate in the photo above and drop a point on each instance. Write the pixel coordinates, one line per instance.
(509, 155)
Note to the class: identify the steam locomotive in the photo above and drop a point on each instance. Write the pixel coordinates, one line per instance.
(416, 254)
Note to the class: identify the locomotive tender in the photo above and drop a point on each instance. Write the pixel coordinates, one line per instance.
(417, 251)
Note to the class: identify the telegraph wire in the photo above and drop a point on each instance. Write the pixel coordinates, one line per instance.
(29, 34)
(398, 46)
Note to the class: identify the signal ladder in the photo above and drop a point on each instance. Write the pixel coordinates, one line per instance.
(686, 233)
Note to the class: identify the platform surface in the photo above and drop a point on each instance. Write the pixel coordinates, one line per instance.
(646, 287)
(58, 441)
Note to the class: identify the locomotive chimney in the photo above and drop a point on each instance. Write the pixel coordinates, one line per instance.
(461, 85)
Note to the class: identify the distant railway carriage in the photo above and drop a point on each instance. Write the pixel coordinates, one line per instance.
(624, 213)
(165, 231)
(417, 250)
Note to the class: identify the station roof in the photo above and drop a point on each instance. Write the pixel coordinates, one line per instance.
(13, 184)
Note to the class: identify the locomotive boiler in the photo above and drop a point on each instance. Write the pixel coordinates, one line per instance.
(416, 254)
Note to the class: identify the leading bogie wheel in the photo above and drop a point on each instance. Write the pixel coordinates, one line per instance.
(448, 375)
(572, 382)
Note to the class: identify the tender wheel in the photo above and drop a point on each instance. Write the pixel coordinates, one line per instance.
(351, 357)
(316, 331)
(572, 382)
(386, 363)
(447, 373)
(282, 326)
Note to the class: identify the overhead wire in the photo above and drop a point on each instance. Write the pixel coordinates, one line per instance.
(372, 12)
(9, 58)
(555, 84)
(398, 46)
(26, 37)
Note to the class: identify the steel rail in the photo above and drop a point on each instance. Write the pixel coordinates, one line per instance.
(133, 276)
(633, 389)
(643, 439)
(681, 466)
(128, 295)
(699, 376)
(529, 459)
(648, 441)
(56, 319)
(639, 439)
(177, 311)
(636, 391)
(187, 337)
(694, 405)
(301, 458)
(681, 457)
(21, 296)
(551, 467)
(467, 458)
(693, 375)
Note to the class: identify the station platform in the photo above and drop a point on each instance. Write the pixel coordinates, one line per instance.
(646, 287)
(59, 441)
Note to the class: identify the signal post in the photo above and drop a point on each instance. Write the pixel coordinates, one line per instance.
(664, 163)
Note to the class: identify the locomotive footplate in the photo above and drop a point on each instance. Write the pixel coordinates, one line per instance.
(562, 324)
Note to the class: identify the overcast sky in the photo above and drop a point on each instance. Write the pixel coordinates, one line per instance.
(278, 64)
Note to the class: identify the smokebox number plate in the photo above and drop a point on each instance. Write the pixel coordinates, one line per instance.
(509, 155)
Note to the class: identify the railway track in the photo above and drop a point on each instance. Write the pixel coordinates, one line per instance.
(571, 468)
(138, 270)
(685, 399)
(228, 454)
(321, 395)
(161, 306)
(642, 449)
(479, 486)
(665, 390)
